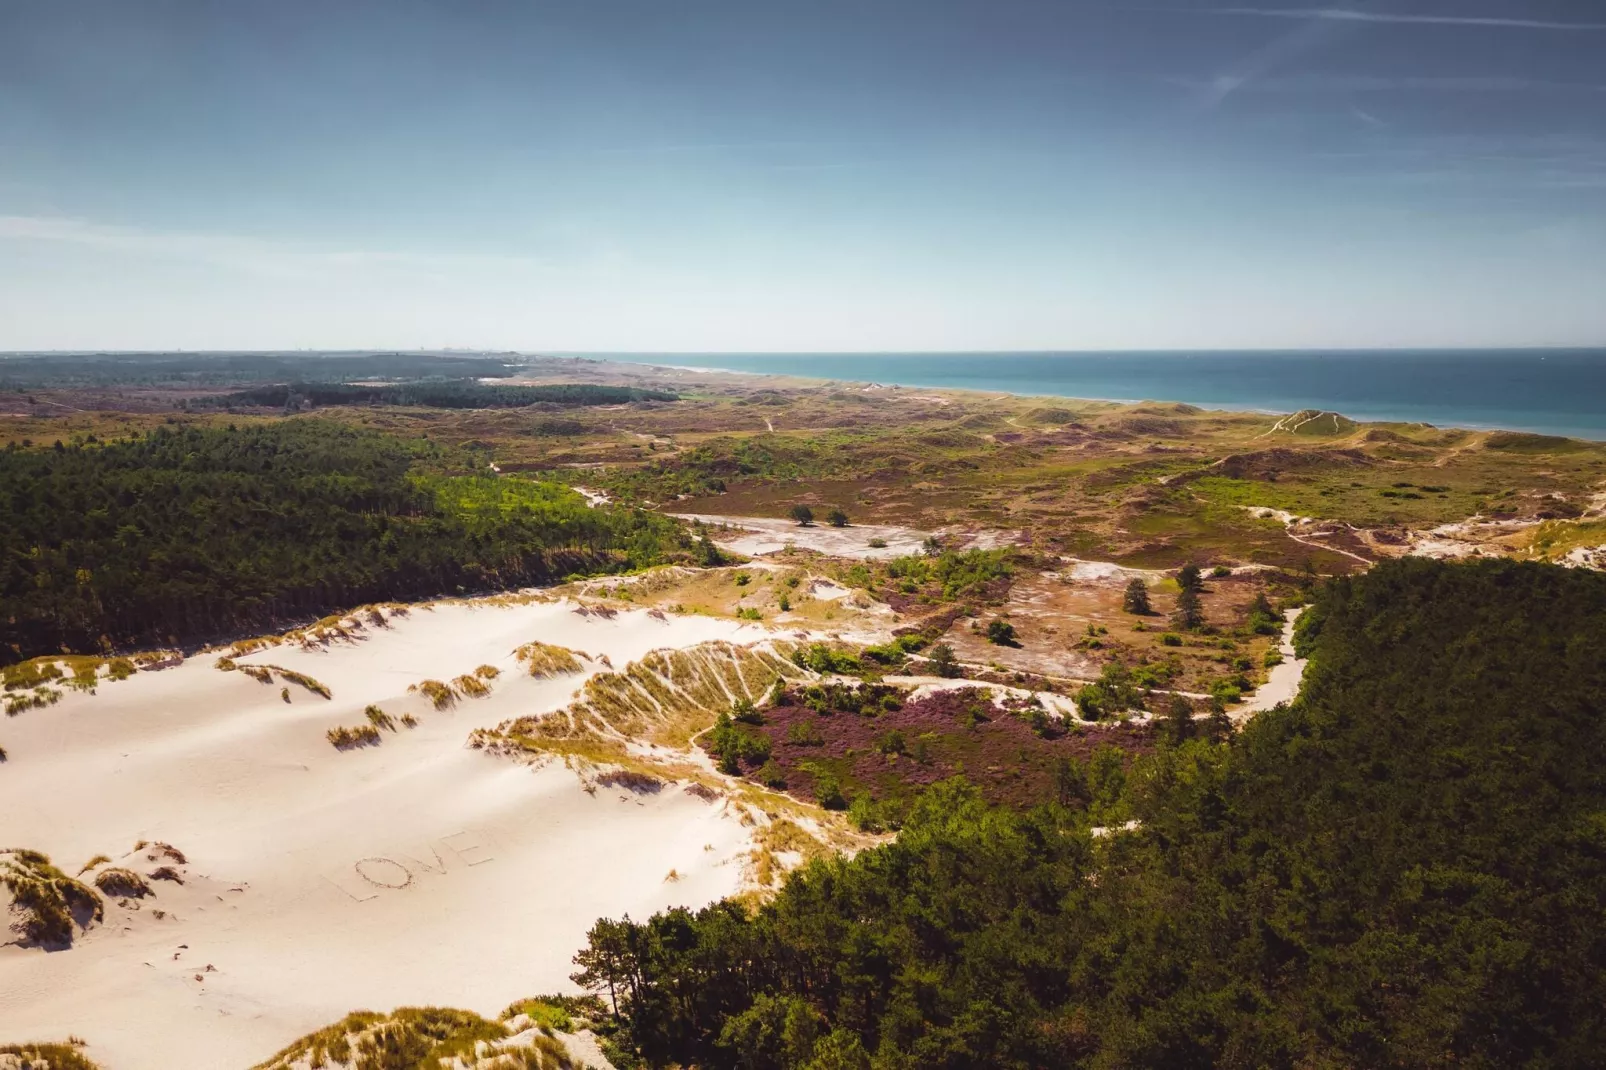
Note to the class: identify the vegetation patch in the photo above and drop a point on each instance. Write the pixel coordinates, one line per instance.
(832, 743)
(542, 660)
(47, 908)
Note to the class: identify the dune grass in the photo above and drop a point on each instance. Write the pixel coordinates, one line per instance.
(470, 686)
(49, 906)
(363, 735)
(405, 1039)
(119, 883)
(542, 660)
(48, 1057)
(440, 695)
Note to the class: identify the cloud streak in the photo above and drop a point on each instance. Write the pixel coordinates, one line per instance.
(250, 255)
(1342, 14)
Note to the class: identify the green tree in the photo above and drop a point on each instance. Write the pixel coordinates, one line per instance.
(1190, 611)
(803, 515)
(1136, 599)
(943, 662)
(1179, 726)
(837, 518)
(1189, 578)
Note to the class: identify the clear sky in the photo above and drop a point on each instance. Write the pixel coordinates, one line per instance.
(769, 174)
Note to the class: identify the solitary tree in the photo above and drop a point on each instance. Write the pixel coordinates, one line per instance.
(1189, 614)
(1189, 579)
(837, 518)
(803, 515)
(1137, 598)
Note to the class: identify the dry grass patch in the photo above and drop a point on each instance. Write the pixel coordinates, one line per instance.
(119, 883)
(411, 1038)
(440, 695)
(45, 1057)
(363, 735)
(470, 686)
(542, 660)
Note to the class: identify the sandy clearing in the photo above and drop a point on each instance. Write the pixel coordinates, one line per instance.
(417, 871)
(755, 536)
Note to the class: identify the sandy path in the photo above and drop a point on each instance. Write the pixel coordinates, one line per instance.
(1282, 682)
(417, 871)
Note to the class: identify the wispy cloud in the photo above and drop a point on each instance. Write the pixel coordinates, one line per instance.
(1342, 14)
(251, 255)
(1387, 84)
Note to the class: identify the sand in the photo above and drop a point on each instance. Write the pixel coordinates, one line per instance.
(1282, 682)
(414, 872)
(755, 536)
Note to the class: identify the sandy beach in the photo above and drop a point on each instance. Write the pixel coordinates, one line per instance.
(317, 880)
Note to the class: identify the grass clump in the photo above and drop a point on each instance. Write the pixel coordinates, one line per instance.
(302, 680)
(120, 883)
(487, 672)
(541, 660)
(49, 906)
(380, 719)
(440, 695)
(470, 686)
(363, 735)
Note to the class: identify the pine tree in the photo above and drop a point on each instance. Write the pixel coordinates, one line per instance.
(1190, 613)
(1137, 598)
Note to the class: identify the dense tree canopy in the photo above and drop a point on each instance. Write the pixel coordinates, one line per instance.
(438, 393)
(1406, 868)
(189, 534)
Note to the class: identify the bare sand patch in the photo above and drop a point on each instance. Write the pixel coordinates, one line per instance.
(417, 871)
(756, 536)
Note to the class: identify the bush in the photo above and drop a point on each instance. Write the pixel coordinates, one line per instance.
(771, 775)
(1001, 633)
(1170, 639)
(943, 662)
(803, 515)
(837, 518)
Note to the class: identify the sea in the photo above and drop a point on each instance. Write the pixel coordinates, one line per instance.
(1549, 391)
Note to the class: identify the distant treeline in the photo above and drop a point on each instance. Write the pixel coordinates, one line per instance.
(1406, 868)
(438, 394)
(185, 535)
(214, 369)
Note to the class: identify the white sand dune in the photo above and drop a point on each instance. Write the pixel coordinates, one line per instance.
(416, 871)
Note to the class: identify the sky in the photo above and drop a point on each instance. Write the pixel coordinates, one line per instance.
(753, 175)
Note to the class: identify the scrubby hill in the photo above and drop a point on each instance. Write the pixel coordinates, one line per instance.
(1407, 868)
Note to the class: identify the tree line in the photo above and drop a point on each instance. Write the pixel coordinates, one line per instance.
(1404, 868)
(184, 535)
(437, 393)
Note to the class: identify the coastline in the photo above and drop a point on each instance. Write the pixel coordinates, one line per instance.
(1432, 413)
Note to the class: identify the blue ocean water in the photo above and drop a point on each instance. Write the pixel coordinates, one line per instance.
(1552, 391)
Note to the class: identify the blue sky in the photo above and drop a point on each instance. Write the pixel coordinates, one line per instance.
(769, 175)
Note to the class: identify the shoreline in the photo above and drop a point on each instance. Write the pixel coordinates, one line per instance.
(1358, 415)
